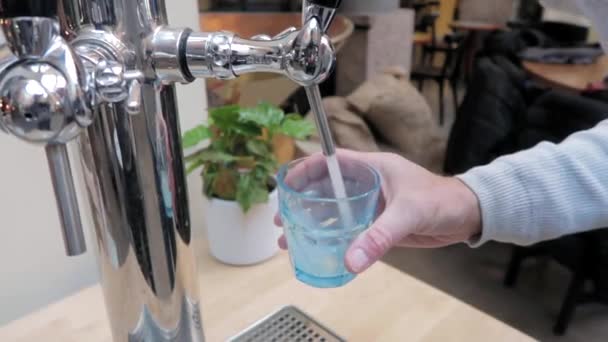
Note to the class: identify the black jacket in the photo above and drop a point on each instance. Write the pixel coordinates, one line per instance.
(488, 119)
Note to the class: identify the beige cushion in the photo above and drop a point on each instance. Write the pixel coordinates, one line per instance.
(401, 117)
(361, 99)
(398, 113)
(349, 130)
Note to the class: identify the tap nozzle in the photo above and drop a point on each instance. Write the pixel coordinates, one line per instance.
(323, 10)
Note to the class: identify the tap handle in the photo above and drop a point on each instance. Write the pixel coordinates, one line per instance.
(28, 8)
(323, 10)
(67, 202)
(326, 3)
(114, 84)
(43, 98)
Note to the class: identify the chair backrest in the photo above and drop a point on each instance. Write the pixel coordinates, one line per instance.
(427, 24)
(455, 55)
(423, 4)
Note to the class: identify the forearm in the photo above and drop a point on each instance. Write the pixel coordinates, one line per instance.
(545, 192)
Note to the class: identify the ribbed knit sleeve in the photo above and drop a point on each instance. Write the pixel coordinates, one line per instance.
(545, 192)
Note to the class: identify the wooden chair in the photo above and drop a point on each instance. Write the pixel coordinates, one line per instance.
(585, 255)
(449, 71)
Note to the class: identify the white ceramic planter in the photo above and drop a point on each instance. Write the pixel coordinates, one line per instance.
(239, 238)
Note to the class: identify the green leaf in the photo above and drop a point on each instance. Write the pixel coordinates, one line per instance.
(227, 119)
(224, 117)
(208, 156)
(224, 113)
(248, 130)
(194, 165)
(258, 147)
(209, 175)
(195, 136)
(293, 116)
(264, 115)
(297, 128)
(250, 192)
(211, 156)
(267, 167)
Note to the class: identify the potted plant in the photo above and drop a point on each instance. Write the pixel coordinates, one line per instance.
(238, 167)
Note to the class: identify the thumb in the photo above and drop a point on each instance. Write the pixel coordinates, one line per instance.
(373, 244)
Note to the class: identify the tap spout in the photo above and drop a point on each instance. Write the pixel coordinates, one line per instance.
(305, 56)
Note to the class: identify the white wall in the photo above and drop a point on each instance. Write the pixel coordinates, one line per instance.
(34, 270)
(33, 267)
(551, 14)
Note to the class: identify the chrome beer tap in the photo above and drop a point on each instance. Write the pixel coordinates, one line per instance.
(322, 12)
(101, 74)
(306, 56)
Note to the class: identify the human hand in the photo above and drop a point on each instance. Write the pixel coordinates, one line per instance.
(417, 209)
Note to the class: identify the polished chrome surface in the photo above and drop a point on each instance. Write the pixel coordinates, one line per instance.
(33, 106)
(110, 81)
(167, 47)
(148, 330)
(209, 55)
(67, 202)
(104, 73)
(134, 172)
(106, 60)
(306, 56)
(133, 104)
(316, 105)
(113, 84)
(325, 15)
(44, 86)
(43, 99)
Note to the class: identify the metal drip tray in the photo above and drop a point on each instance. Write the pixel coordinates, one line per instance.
(287, 325)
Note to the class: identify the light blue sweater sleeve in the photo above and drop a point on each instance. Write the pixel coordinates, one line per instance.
(545, 192)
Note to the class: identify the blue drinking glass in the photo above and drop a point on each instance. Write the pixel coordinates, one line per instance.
(319, 227)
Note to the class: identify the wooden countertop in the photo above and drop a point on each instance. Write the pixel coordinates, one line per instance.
(569, 76)
(383, 304)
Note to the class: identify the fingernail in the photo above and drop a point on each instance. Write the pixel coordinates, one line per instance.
(359, 260)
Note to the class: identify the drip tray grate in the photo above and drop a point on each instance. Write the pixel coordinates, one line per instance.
(287, 325)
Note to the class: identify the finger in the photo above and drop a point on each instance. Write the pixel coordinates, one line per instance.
(375, 160)
(393, 225)
(423, 242)
(277, 220)
(306, 171)
(283, 242)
